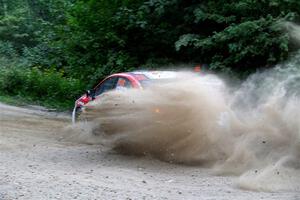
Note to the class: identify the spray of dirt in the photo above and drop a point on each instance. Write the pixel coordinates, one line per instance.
(293, 31)
(252, 131)
(267, 132)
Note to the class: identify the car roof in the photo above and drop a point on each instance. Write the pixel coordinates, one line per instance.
(157, 74)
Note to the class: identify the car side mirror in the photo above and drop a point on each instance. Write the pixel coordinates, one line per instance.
(89, 93)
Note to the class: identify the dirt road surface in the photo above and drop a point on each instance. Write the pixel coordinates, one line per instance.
(35, 163)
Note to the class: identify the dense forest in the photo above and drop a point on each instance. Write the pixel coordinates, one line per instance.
(51, 50)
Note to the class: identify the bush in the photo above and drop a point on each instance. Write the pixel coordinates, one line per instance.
(49, 86)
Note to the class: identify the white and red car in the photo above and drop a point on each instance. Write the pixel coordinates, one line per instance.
(138, 80)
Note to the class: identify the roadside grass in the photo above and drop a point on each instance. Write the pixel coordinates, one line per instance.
(17, 101)
(49, 88)
(25, 101)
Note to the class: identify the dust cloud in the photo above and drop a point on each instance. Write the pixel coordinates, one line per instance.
(251, 131)
(293, 31)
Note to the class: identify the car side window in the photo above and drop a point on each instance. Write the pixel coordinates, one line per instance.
(107, 85)
(123, 83)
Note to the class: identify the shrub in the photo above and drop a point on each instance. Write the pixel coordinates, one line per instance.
(50, 86)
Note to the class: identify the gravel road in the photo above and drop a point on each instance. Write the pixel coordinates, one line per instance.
(35, 163)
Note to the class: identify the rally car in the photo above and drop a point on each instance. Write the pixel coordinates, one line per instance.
(138, 80)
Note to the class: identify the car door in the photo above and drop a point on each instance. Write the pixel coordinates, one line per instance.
(105, 86)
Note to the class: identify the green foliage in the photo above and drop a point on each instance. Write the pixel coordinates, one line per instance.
(93, 43)
(15, 29)
(228, 35)
(39, 85)
(248, 44)
(7, 50)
